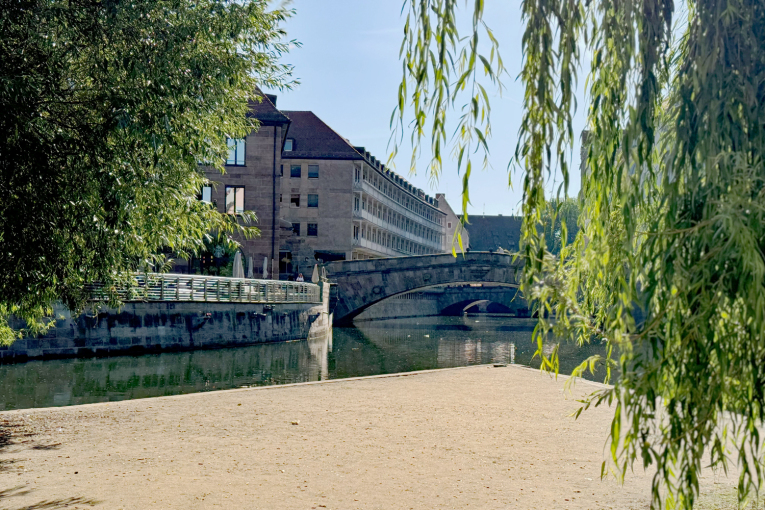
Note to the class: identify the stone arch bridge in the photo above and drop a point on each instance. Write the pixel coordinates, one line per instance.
(362, 283)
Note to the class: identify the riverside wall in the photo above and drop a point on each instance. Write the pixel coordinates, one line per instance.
(143, 327)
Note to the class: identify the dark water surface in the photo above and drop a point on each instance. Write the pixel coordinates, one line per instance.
(370, 348)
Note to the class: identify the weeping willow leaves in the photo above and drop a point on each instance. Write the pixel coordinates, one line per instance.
(441, 67)
(107, 108)
(560, 223)
(668, 267)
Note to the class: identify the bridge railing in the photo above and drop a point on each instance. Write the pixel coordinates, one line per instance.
(212, 289)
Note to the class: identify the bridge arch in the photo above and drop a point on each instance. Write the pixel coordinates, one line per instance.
(492, 306)
(362, 283)
(476, 303)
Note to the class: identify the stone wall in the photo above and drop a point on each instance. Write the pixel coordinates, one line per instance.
(155, 327)
(414, 304)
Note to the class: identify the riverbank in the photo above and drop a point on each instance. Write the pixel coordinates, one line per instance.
(476, 437)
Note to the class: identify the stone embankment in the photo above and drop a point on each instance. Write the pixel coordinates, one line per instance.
(144, 327)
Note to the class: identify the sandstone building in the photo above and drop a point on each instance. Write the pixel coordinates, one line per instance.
(345, 205)
(318, 198)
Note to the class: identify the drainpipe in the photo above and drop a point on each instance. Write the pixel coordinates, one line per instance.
(273, 211)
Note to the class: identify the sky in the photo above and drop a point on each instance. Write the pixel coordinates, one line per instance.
(349, 71)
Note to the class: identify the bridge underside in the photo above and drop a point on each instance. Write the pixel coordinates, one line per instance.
(363, 283)
(473, 306)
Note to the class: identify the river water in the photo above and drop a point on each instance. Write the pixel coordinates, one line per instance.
(369, 348)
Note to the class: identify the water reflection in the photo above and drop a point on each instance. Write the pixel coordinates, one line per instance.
(371, 348)
(82, 381)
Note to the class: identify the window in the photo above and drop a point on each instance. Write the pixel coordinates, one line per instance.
(296, 228)
(206, 193)
(313, 229)
(313, 171)
(449, 225)
(289, 144)
(281, 170)
(235, 151)
(285, 262)
(295, 200)
(356, 204)
(295, 171)
(234, 199)
(313, 200)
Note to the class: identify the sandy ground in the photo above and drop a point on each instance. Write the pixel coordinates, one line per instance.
(478, 437)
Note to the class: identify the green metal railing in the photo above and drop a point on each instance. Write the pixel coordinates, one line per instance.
(211, 289)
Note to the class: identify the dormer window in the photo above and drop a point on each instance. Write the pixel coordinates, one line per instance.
(289, 144)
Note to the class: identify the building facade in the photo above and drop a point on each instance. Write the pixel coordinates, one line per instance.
(392, 218)
(251, 182)
(345, 205)
(318, 198)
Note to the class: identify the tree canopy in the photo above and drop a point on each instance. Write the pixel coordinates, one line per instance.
(560, 221)
(107, 110)
(668, 267)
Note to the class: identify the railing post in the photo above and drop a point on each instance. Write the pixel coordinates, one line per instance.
(217, 290)
(204, 291)
(162, 289)
(191, 284)
(178, 288)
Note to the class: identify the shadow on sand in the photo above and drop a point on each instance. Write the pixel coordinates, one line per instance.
(46, 504)
(13, 439)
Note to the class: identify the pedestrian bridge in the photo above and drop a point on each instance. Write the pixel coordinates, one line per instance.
(362, 283)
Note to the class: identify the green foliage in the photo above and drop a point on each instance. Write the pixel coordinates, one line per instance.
(560, 223)
(107, 108)
(438, 65)
(668, 268)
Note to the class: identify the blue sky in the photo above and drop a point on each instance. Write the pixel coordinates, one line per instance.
(349, 71)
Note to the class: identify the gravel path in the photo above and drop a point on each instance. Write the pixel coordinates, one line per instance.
(478, 437)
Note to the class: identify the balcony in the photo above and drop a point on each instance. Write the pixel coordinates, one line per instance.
(376, 247)
(390, 227)
(393, 205)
